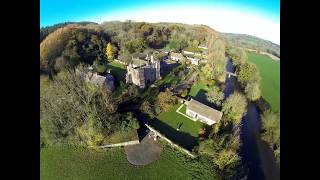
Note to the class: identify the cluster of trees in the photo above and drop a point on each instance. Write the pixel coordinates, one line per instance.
(45, 31)
(70, 45)
(160, 103)
(224, 140)
(271, 131)
(78, 112)
(247, 73)
(215, 67)
(215, 95)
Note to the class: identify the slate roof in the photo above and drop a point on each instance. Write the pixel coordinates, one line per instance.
(204, 110)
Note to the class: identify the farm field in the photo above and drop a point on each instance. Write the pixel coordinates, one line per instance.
(270, 78)
(81, 163)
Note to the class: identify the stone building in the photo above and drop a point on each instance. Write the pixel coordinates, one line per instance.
(107, 81)
(143, 72)
(202, 112)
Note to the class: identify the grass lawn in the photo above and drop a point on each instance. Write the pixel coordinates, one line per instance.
(168, 122)
(270, 74)
(198, 92)
(195, 89)
(118, 70)
(80, 163)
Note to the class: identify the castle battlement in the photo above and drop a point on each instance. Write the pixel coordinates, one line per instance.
(143, 72)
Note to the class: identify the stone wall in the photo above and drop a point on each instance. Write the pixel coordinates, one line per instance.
(121, 144)
(170, 142)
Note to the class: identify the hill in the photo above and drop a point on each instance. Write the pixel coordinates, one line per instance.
(252, 42)
(85, 42)
(45, 31)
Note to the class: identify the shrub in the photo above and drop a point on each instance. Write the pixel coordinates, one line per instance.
(157, 110)
(184, 93)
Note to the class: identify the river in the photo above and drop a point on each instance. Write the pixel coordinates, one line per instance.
(255, 154)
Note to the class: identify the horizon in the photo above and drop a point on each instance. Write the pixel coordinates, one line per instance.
(250, 17)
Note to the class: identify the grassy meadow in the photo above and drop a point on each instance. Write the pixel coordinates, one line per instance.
(60, 162)
(270, 78)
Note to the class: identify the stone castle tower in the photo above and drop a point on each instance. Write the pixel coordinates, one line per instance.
(143, 75)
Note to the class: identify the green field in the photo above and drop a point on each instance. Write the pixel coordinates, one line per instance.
(168, 122)
(80, 163)
(270, 74)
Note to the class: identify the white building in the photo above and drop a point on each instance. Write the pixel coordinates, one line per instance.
(176, 56)
(202, 112)
(194, 61)
(203, 47)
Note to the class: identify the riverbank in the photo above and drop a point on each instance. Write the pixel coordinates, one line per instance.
(271, 170)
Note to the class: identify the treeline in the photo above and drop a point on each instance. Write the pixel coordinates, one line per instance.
(271, 132)
(251, 42)
(87, 42)
(249, 78)
(70, 45)
(77, 112)
(45, 31)
(247, 73)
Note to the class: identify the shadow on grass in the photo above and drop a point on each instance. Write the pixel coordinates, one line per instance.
(202, 97)
(181, 138)
(118, 73)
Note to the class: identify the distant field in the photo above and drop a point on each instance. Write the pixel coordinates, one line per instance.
(80, 163)
(168, 122)
(270, 74)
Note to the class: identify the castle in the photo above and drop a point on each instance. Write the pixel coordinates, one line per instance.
(143, 72)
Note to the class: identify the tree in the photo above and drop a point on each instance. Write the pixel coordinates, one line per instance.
(238, 56)
(184, 93)
(247, 72)
(125, 56)
(217, 59)
(271, 131)
(75, 111)
(206, 71)
(235, 107)
(146, 108)
(165, 100)
(128, 123)
(109, 52)
(252, 91)
(215, 95)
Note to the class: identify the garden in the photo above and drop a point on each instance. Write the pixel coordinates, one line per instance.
(168, 123)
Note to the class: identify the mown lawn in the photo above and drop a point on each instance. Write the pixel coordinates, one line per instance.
(195, 88)
(168, 122)
(198, 92)
(118, 70)
(81, 163)
(270, 74)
